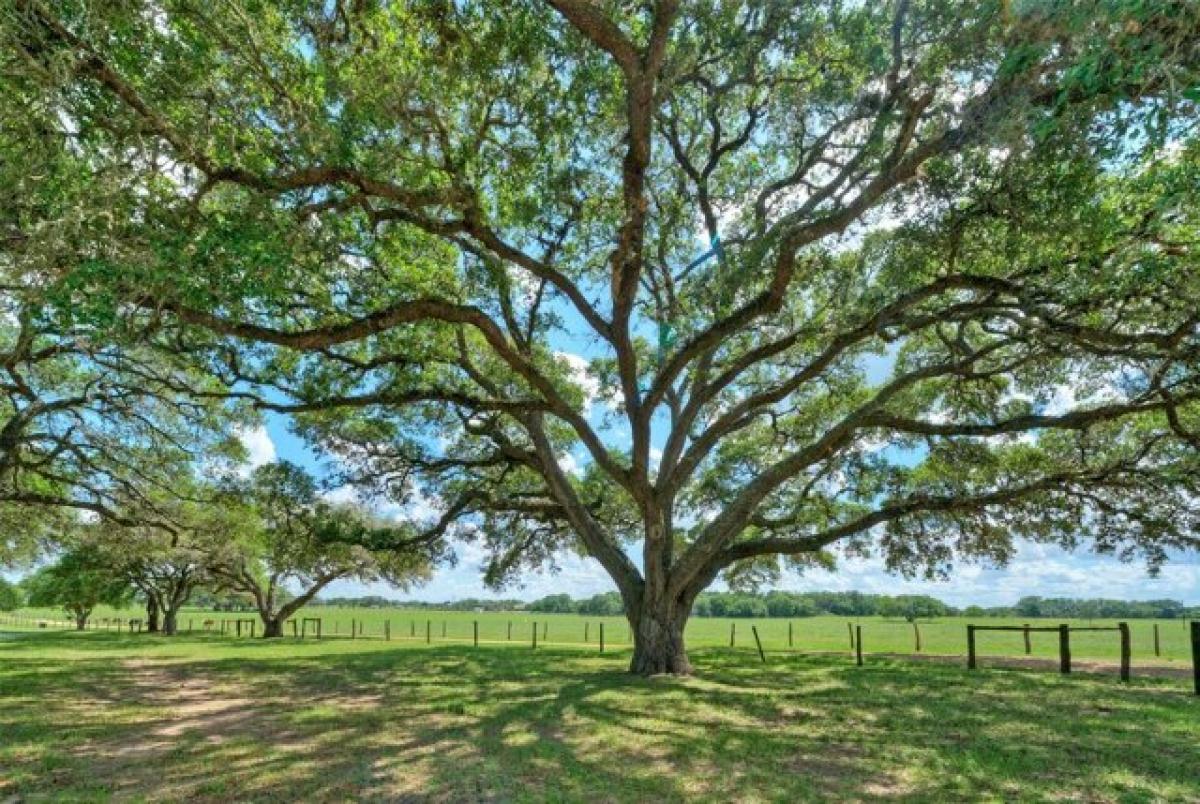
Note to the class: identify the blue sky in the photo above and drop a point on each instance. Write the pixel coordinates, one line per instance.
(1036, 570)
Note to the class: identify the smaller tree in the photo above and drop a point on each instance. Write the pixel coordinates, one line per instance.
(165, 565)
(10, 596)
(291, 543)
(79, 581)
(165, 575)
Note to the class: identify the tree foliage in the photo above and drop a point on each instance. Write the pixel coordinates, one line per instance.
(915, 277)
(78, 581)
(284, 543)
(90, 422)
(164, 551)
(11, 597)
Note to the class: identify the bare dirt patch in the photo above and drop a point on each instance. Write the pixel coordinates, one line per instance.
(193, 702)
(185, 711)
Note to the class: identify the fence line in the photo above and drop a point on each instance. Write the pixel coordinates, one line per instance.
(855, 633)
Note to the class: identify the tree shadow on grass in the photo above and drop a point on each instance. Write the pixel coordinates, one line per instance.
(453, 723)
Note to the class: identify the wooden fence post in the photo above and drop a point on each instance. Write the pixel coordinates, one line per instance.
(757, 641)
(970, 647)
(1126, 650)
(732, 633)
(1157, 645)
(858, 643)
(387, 630)
(850, 629)
(545, 630)
(510, 630)
(476, 624)
(239, 627)
(917, 635)
(1064, 648)
(1196, 654)
(1028, 644)
(535, 634)
(293, 627)
(412, 628)
(790, 643)
(585, 632)
(189, 625)
(428, 632)
(353, 627)
(443, 629)
(602, 648)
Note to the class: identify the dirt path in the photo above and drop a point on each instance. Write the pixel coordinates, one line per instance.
(193, 702)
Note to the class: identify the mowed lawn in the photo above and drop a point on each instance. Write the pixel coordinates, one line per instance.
(98, 716)
(941, 636)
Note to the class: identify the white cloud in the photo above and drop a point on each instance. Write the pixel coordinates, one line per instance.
(580, 375)
(342, 495)
(260, 448)
(578, 576)
(656, 455)
(568, 464)
(422, 508)
(1036, 569)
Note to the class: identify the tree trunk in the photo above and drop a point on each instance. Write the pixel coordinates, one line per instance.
(658, 641)
(272, 627)
(81, 622)
(170, 622)
(151, 617)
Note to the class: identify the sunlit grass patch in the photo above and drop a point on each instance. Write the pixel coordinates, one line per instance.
(96, 716)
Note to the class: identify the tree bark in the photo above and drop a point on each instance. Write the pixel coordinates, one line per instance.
(151, 616)
(81, 622)
(170, 622)
(658, 645)
(272, 627)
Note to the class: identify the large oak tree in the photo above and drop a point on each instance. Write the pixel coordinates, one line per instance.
(917, 277)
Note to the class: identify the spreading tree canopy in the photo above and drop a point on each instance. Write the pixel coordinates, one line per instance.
(91, 423)
(283, 543)
(78, 581)
(693, 287)
(164, 550)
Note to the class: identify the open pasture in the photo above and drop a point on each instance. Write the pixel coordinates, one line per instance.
(941, 636)
(103, 716)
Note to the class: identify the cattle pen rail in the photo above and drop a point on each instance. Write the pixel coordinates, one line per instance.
(1064, 642)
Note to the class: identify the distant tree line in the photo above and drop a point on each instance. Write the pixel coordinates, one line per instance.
(378, 602)
(768, 604)
(807, 604)
(709, 604)
(1089, 609)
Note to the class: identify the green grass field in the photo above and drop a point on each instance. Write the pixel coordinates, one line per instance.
(942, 636)
(102, 716)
